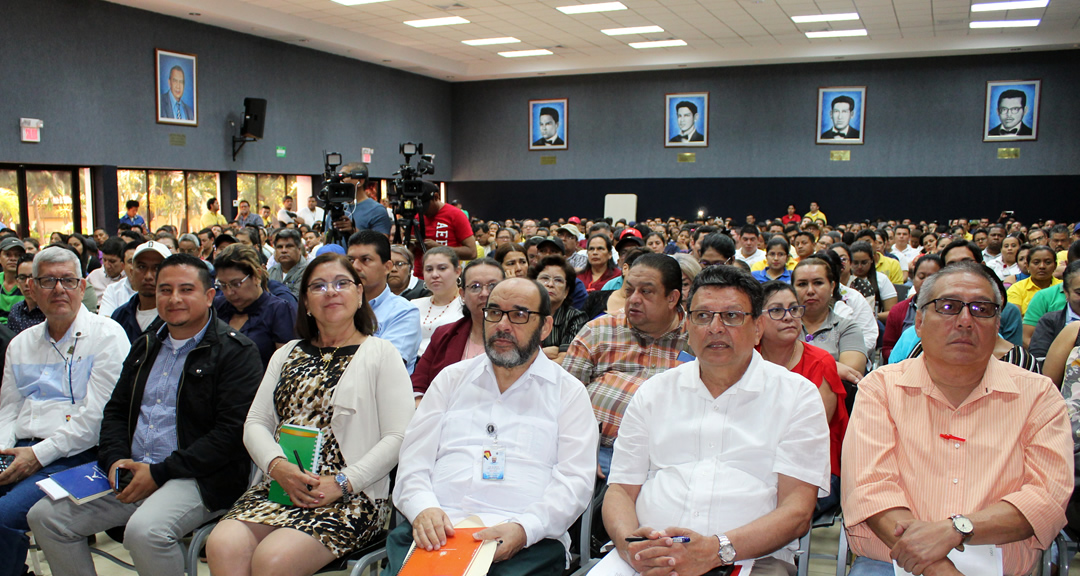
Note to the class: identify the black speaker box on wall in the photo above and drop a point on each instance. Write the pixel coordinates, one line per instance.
(254, 117)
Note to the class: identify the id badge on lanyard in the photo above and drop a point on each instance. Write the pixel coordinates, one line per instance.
(493, 460)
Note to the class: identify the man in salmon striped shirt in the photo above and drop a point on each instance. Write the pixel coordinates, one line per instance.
(955, 448)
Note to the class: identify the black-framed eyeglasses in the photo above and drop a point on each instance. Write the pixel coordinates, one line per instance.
(516, 316)
(778, 313)
(953, 307)
(731, 318)
(234, 285)
(476, 288)
(339, 285)
(23, 277)
(49, 282)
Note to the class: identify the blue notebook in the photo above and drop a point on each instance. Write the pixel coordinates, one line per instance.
(83, 483)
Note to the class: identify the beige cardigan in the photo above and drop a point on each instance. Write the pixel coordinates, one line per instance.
(373, 403)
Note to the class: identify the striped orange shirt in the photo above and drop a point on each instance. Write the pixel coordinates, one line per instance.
(1016, 448)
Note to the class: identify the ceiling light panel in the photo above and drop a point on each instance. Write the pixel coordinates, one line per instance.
(525, 53)
(658, 44)
(490, 41)
(448, 21)
(632, 30)
(1020, 5)
(1004, 24)
(837, 33)
(589, 8)
(825, 17)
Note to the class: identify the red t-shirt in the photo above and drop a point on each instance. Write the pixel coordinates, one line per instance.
(817, 365)
(590, 286)
(449, 227)
(789, 218)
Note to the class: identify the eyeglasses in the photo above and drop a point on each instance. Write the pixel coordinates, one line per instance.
(49, 282)
(1013, 110)
(476, 288)
(728, 317)
(551, 280)
(23, 277)
(517, 316)
(952, 307)
(778, 313)
(706, 263)
(401, 264)
(338, 285)
(234, 285)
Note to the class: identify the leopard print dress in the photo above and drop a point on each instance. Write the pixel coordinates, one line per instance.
(302, 397)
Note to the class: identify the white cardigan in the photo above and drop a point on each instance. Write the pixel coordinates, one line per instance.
(373, 403)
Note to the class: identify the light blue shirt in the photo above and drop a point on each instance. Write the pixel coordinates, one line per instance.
(155, 433)
(399, 323)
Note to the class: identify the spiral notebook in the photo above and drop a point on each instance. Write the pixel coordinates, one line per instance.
(461, 556)
(303, 440)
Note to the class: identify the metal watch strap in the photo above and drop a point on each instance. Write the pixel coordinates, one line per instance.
(343, 483)
(725, 543)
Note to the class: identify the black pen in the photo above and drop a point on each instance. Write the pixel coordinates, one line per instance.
(301, 465)
(674, 539)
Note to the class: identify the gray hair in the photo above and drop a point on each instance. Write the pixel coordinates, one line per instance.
(966, 267)
(289, 234)
(403, 252)
(57, 255)
(191, 238)
(688, 265)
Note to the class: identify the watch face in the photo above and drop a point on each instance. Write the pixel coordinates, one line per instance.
(727, 553)
(963, 524)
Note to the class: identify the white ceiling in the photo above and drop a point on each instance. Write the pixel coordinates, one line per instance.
(718, 32)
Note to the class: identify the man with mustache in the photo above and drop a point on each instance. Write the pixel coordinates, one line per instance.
(508, 436)
(728, 451)
(613, 355)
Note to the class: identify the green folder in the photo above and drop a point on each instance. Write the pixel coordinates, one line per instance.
(305, 441)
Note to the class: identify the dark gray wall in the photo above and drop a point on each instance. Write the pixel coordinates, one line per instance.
(923, 118)
(86, 68)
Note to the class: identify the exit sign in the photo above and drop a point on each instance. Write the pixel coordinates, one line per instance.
(31, 134)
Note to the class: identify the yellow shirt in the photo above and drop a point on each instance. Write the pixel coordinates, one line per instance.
(211, 218)
(1023, 291)
(819, 216)
(890, 268)
(762, 264)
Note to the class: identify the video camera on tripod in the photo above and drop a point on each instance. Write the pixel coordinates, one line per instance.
(411, 194)
(336, 193)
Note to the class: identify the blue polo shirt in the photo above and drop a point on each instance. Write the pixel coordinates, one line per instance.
(399, 323)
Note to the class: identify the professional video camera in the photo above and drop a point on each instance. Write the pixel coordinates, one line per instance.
(411, 194)
(336, 193)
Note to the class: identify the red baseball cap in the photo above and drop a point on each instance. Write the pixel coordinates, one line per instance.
(574, 220)
(630, 232)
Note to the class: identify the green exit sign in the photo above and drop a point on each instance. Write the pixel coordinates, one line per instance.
(280, 151)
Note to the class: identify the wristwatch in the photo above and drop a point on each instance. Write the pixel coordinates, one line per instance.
(343, 481)
(964, 526)
(726, 552)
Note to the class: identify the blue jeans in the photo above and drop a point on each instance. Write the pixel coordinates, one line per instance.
(603, 458)
(16, 500)
(831, 501)
(864, 566)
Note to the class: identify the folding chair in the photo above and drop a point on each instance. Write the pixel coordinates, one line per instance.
(803, 555)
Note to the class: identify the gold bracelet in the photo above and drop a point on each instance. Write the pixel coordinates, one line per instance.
(273, 463)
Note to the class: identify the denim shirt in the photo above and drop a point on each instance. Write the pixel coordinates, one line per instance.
(155, 433)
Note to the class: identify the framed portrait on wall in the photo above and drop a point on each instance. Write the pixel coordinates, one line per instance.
(547, 124)
(1012, 110)
(176, 83)
(841, 115)
(686, 120)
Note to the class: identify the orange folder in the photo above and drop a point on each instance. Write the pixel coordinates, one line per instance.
(454, 559)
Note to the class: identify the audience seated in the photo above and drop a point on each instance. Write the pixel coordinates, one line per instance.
(873, 285)
(601, 266)
(355, 392)
(175, 423)
(397, 320)
(777, 256)
(400, 279)
(513, 258)
(555, 275)
(852, 304)
(815, 283)
(1052, 323)
(26, 312)
(243, 302)
(289, 260)
(526, 410)
(442, 273)
(902, 315)
(141, 311)
(749, 495)
(1012, 479)
(1042, 262)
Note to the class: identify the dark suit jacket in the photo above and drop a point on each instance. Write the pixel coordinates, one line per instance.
(695, 137)
(1025, 130)
(1050, 325)
(831, 133)
(541, 142)
(167, 110)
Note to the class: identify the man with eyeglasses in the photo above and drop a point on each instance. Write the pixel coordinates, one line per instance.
(507, 436)
(173, 426)
(1011, 109)
(289, 260)
(613, 355)
(728, 451)
(398, 320)
(59, 375)
(141, 312)
(955, 448)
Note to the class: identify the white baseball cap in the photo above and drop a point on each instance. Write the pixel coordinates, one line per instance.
(151, 245)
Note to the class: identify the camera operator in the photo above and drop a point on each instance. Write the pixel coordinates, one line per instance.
(364, 213)
(445, 225)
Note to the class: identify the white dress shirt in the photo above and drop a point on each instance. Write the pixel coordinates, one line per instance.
(115, 296)
(855, 307)
(711, 464)
(906, 255)
(545, 424)
(311, 216)
(751, 259)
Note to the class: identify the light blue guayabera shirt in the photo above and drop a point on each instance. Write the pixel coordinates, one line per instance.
(155, 433)
(399, 323)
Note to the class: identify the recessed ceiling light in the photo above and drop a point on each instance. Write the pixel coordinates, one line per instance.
(633, 30)
(1020, 5)
(1004, 24)
(837, 33)
(450, 20)
(490, 41)
(825, 17)
(658, 44)
(524, 53)
(587, 8)
(357, 2)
